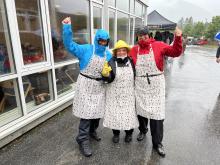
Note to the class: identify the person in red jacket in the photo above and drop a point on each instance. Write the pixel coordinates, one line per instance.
(148, 56)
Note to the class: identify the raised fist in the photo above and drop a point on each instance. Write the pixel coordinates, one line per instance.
(178, 32)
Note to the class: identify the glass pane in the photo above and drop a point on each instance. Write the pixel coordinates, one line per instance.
(131, 31)
(30, 30)
(138, 24)
(111, 3)
(123, 5)
(138, 9)
(6, 60)
(66, 77)
(100, 0)
(132, 6)
(37, 89)
(97, 18)
(123, 27)
(9, 102)
(112, 28)
(79, 13)
(144, 11)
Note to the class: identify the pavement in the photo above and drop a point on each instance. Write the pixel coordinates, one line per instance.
(191, 128)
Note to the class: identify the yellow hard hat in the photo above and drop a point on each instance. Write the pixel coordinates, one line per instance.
(121, 44)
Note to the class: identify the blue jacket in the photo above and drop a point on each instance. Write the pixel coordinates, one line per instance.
(85, 52)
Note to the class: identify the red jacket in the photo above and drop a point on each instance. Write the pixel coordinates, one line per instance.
(160, 50)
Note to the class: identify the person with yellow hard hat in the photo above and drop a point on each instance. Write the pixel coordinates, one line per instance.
(120, 113)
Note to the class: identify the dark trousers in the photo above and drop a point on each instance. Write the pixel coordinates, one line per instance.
(128, 132)
(156, 128)
(143, 122)
(86, 127)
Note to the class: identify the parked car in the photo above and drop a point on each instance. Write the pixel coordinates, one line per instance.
(202, 42)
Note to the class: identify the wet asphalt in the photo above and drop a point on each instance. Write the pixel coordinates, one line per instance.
(191, 127)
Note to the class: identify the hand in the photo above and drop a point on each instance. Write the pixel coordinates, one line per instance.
(106, 69)
(67, 20)
(218, 60)
(178, 32)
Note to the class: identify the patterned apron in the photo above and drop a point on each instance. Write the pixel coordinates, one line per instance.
(120, 111)
(89, 99)
(149, 90)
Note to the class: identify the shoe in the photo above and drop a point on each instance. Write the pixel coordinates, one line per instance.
(141, 136)
(128, 138)
(95, 136)
(85, 148)
(160, 150)
(115, 139)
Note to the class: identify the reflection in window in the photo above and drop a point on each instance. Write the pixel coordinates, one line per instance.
(132, 6)
(131, 31)
(138, 9)
(79, 13)
(9, 102)
(123, 5)
(30, 29)
(111, 3)
(6, 61)
(97, 18)
(111, 28)
(37, 89)
(66, 77)
(123, 27)
(138, 24)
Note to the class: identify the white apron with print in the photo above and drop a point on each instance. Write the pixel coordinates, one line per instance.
(120, 113)
(89, 99)
(150, 98)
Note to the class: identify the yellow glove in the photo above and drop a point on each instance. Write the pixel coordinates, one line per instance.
(106, 69)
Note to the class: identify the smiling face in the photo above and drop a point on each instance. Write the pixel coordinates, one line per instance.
(121, 52)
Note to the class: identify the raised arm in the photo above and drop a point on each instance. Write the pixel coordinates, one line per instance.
(71, 46)
(176, 49)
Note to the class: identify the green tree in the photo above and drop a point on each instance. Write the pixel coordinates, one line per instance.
(198, 30)
(181, 23)
(213, 27)
(188, 26)
(188, 30)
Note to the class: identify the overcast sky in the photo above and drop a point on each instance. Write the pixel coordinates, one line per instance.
(200, 10)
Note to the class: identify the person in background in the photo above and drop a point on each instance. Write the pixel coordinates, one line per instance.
(158, 36)
(120, 113)
(89, 98)
(218, 53)
(148, 56)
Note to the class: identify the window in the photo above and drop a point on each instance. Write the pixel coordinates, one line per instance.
(138, 9)
(132, 6)
(97, 18)
(123, 27)
(31, 31)
(111, 28)
(131, 31)
(37, 89)
(138, 24)
(6, 60)
(111, 3)
(9, 102)
(66, 77)
(79, 13)
(123, 5)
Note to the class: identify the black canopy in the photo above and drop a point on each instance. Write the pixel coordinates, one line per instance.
(157, 22)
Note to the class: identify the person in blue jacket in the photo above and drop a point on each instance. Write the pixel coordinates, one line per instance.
(89, 98)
